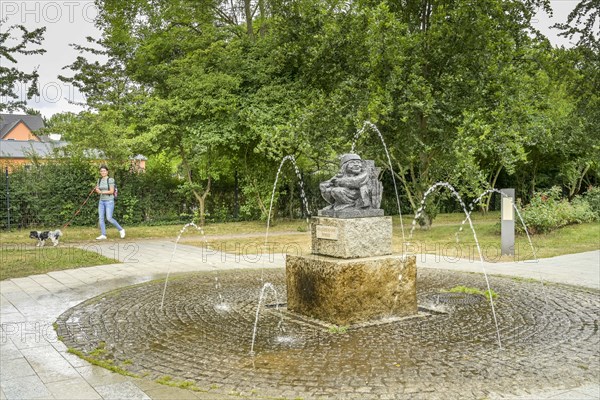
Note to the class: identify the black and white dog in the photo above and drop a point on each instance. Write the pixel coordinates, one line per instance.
(45, 235)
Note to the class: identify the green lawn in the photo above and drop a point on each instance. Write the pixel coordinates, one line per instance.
(75, 234)
(18, 261)
(440, 239)
(20, 258)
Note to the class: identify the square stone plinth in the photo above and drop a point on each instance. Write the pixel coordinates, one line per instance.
(350, 291)
(351, 238)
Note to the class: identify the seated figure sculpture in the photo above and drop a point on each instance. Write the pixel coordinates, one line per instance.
(355, 191)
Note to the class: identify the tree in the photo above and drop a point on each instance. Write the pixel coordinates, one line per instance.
(460, 91)
(582, 24)
(172, 94)
(582, 82)
(422, 71)
(10, 76)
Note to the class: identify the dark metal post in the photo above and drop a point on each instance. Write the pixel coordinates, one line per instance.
(507, 230)
(7, 201)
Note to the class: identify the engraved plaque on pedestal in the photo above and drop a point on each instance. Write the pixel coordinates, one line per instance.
(327, 232)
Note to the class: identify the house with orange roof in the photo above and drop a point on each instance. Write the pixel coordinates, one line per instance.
(20, 140)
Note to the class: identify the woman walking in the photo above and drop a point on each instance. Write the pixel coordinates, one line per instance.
(106, 205)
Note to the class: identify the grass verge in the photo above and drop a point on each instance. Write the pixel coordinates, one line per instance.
(78, 234)
(18, 261)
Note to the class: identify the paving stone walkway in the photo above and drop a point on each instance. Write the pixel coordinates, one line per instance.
(34, 364)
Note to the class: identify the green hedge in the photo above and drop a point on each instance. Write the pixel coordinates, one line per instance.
(49, 194)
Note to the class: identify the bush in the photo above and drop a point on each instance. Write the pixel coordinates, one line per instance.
(548, 211)
(592, 197)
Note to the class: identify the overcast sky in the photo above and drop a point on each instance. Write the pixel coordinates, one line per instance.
(71, 21)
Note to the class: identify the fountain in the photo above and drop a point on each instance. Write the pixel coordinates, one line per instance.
(452, 351)
(355, 323)
(302, 194)
(468, 218)
(368, 124)
(221, 305)
(261, 299)
(351, 276)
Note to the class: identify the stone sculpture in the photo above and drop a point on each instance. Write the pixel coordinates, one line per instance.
(355, 191)
(351, 275)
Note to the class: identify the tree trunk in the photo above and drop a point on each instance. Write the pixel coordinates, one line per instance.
(409, 195)
(533, 176)
(291, 202)
(248, 14)
(236, 198)
(201, 209)
(575, 187)
(263, 18)
(201, 198)
(486, 208)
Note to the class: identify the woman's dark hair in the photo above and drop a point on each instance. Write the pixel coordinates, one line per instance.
(103, 166)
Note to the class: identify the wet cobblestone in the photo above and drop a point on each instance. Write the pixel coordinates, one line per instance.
(452, 350)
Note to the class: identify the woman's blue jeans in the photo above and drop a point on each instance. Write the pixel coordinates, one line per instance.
(106, 208)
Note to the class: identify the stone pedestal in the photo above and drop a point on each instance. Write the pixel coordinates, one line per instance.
(351, 238)
(349, 291)
(351, 275)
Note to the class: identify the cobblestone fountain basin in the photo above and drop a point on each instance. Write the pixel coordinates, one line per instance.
(448, 351)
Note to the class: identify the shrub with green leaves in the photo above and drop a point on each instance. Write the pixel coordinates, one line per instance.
(592, 197)
(549, 211)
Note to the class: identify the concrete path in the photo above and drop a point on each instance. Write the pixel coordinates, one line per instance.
(34, 364)
(582, 269)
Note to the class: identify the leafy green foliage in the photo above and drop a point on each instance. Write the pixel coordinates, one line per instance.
(461, 92)
(11, 76)
(592, 197)
(49, 194)
(548, 211)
